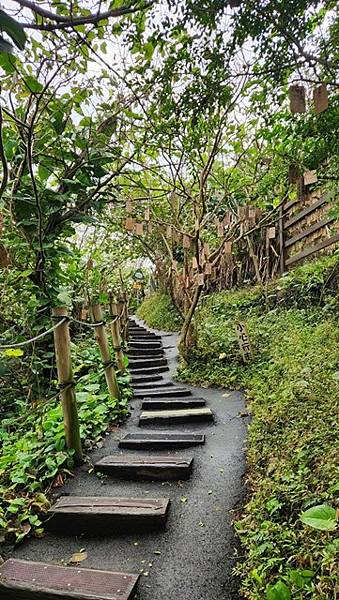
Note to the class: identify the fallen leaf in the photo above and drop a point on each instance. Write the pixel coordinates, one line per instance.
(226, 394)
(183, 499)
(201, 524)
(77, 557)
(156, 552)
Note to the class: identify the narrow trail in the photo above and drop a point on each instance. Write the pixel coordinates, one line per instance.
(192, 556)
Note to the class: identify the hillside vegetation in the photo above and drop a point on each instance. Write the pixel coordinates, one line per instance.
(292, 390)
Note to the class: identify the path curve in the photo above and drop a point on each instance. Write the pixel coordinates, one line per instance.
(193, 557)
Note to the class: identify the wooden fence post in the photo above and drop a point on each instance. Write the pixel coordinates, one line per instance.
(125, 309)
(116, 337)
(65, 377)
(120, 308)
(101, 337)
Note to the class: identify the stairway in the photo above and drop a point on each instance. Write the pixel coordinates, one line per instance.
(161, 402)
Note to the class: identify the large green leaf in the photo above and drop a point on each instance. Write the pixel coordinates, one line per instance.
(321, 517)
(14, 30)
(278, 591)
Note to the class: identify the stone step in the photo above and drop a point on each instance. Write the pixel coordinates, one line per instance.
(162, 468)
(171, 403)
(161, 440)
(189, 415)
(148, 370)
(146, 379)
(156, 392)
(141, 345)
(97, 514)
(25, 580)
(145, 334)
(139, 363)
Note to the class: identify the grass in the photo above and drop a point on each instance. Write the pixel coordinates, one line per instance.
(158, 312)
(293, 396)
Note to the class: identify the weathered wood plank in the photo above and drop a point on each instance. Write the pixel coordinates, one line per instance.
(171, 403)
(162, 468)
(161, 440)
(188, 415)
(24, 580)
(162, 393)
(92, 513)
(312, 249)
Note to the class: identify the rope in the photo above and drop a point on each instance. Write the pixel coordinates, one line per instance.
(89, 323)
(34, 339)
(108, 363)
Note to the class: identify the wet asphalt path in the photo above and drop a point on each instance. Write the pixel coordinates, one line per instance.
(192, 558)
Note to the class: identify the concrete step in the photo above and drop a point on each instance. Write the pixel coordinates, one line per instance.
(155, 468)
(98, 514)
(157, 392)
(171, 403)
(189, 415)
(25, 580)
(148, 370)
(146, 352)
(161, 440)
(139, 363)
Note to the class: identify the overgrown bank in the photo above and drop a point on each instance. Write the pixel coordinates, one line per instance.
(292, 387)
(158, 312)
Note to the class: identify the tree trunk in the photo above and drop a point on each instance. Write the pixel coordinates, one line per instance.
(184, 340)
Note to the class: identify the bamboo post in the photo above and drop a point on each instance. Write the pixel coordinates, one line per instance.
(120, 308)
(116, 337)
(101, 337)
(62, 343)
(125, 309)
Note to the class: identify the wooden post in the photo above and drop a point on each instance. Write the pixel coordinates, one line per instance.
(281, 240)
(65, 376)
(101, 337)
(121, 314)
(125, 308)
(116, 337)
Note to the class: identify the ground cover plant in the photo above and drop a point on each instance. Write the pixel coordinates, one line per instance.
(34, 460)
(158, 311)
(293, 396)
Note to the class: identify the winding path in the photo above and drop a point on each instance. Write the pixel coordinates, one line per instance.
(193, 556)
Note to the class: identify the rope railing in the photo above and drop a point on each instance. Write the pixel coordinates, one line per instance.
(51, 329)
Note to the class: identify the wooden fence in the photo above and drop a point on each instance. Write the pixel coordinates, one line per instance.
(306, 226)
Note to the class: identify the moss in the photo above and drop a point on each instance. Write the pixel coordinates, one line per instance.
(158, 312)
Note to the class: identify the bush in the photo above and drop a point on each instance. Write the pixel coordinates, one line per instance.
(158, 312)
(292, 387)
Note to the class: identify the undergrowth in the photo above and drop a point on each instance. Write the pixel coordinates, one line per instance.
(158, 312)
(292, 388)
(33, 455)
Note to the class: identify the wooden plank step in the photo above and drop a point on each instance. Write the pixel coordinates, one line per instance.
(161, 440)
(147, 362)
(25, 580)
(156, 392)
(171, 403)
(145, 384)
(188, 415)
(146, 351)
(139, 345)
(146, 379)
(163, 468)
(148, 370)
(97, 513)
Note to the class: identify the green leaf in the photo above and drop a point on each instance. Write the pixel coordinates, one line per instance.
(321, 517)
(13, 352)
(279, 591)
(33, 84)
(14, 30)
(7, 61)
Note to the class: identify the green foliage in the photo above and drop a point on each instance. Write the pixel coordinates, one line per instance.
(158, 312)
(33, 455)
(287, 526)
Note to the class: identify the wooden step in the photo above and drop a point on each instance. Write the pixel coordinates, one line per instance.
(146, 352)
(25, 580)
(146, 379)
(161, 468)
(147, 362)
(139, 345)
(161, 440)
(148, 370)
(156, 392)
(145, 384)
(171, 403)
(145, 334)
(189, 415)
(94, 514)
